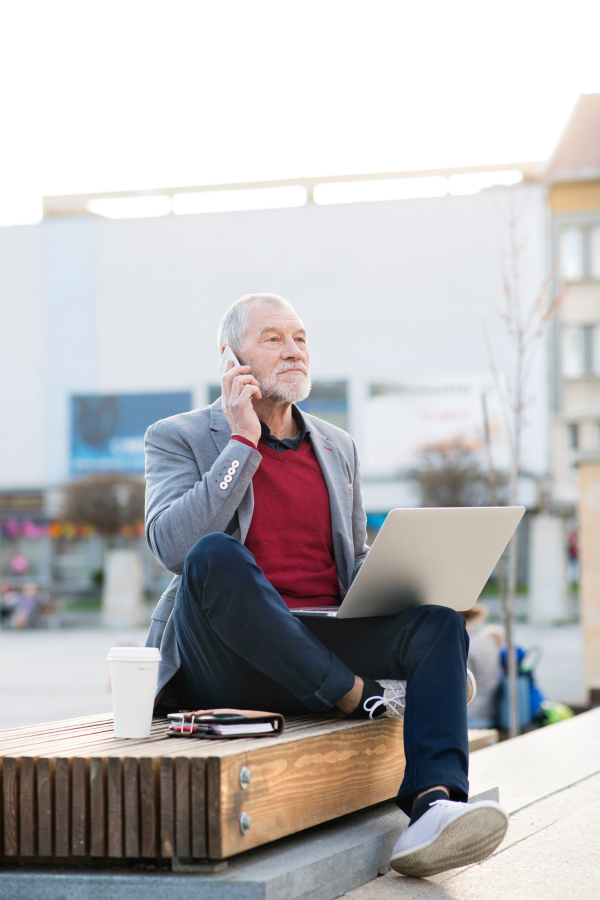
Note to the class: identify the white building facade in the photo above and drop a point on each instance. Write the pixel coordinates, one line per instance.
(395, 296)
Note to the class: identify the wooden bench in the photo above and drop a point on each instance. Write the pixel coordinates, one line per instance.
(70, 790)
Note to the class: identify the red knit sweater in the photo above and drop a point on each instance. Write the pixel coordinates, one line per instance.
(290, 533)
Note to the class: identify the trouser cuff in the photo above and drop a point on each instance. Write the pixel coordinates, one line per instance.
(427, 775)
(339, 681)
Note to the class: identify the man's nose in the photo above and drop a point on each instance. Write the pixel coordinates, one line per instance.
(291, 350)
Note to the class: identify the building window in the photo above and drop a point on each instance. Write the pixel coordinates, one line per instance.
(579, 253)
(594, 349)
(571, 254)
(328, 400)
(580, 350)
(573, 430)
(595, 252)
(588, 349)
(573, 353)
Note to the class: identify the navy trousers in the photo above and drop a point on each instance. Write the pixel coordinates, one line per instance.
(241, 647)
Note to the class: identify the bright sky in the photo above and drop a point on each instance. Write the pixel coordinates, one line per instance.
(133, 94)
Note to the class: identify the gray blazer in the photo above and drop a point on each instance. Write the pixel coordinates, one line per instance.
(187, 457)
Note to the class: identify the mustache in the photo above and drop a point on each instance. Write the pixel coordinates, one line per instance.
(286, 368)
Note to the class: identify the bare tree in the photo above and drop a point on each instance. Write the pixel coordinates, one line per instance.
(496, 479)
(525, 322)
(449, 474)
(107, 502)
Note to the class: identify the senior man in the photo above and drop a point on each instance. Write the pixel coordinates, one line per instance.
(257, 508)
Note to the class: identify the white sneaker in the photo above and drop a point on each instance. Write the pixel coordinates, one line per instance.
(449, 835)
(471, 687)
(394, 697)
(394, 700)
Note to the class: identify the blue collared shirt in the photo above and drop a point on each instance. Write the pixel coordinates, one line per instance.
(289, 443)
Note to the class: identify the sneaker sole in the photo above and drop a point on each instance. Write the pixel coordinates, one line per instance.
(467, 839)
(471, 687)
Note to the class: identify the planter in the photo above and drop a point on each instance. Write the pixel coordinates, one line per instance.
(123, 596)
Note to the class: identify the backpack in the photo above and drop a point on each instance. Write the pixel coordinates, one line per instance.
(530, 700)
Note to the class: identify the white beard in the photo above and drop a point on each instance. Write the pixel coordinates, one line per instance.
(295, 388)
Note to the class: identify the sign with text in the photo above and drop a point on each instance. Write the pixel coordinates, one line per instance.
(403, 420)
(107, 431)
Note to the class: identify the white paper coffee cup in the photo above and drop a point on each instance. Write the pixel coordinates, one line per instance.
(134, 676)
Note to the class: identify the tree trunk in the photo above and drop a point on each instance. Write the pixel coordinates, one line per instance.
(513, 558)
(509, 624)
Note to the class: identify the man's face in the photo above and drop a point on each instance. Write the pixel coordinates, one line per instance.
(275, 348)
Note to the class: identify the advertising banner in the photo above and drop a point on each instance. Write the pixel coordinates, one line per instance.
(107, 432)
(403, 420)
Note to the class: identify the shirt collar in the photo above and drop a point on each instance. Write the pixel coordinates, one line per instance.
(288, 443)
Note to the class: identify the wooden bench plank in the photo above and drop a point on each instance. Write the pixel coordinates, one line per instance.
(45, 805)
(97, 807)
(167, 808)
(115, 807)
(27, 841)
(10, 792)
(86, 741)
(214, 808)
(62, 808)
(79, 806)
(23, 741)
(182, 807)
(1, 806)
(131, 797)
(77, 721)
(148, 807)
(198, 811)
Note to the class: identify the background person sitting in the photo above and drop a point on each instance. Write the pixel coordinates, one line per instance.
(484, 662)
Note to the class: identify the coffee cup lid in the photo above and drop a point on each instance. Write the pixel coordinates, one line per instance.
(134, 654)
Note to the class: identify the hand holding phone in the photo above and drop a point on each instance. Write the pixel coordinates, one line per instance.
(228, 354)
(238, 391)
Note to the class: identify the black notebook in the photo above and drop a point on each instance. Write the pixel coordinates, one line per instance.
(225, 723)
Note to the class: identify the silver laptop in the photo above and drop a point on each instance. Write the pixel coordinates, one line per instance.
(438, 556)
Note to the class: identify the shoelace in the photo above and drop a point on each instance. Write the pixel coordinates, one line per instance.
(395, 702)
(447, 804)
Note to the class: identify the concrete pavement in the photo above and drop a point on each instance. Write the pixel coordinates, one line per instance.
(50, 675)
(549, 782)
(551, 852)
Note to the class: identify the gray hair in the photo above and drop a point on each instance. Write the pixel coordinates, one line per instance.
(234, 323)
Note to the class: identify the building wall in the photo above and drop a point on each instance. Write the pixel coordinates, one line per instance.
(23, 426)
(70, 330)
(388, 291)
(576, 261)
(574, 195)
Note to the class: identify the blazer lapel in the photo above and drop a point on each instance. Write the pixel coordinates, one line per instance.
(336, 480)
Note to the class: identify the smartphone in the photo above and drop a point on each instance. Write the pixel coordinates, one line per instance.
(228, 354)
